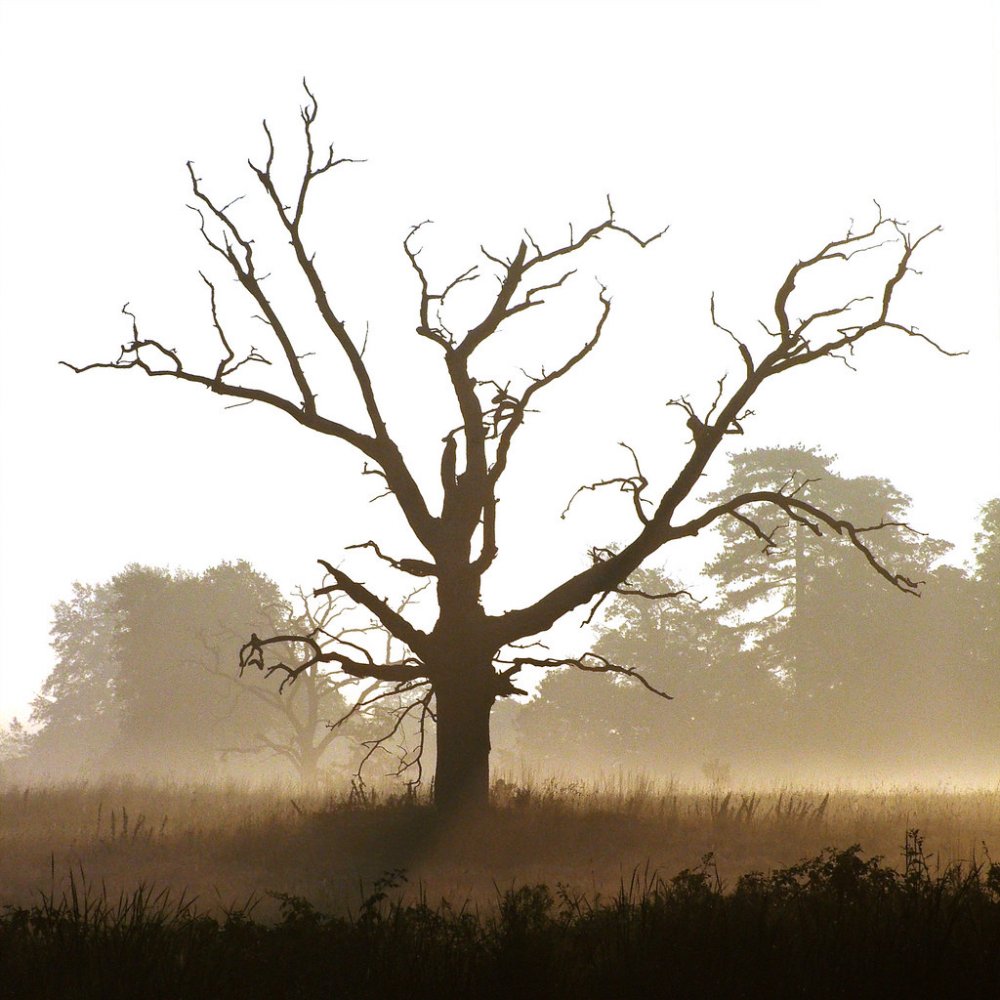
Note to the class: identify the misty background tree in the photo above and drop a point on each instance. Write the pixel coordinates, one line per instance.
(607, 725)
(74, 713)
(839, 644)
(299, 725)
(801, 662)
(315, 710)
(138, 684)
(987, 575)
(456, 669)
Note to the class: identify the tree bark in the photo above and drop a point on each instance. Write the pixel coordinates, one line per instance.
(462, 775)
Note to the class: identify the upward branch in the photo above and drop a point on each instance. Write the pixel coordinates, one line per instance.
(802, 342)
(398, 476)
(237, 250)
(469, 496)
(241, 262)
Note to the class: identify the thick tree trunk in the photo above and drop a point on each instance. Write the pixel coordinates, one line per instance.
(462, 777)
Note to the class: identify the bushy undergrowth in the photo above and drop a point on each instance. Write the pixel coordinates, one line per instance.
(836, 925)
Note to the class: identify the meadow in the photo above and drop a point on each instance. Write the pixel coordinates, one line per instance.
(605, 889)
(225, 843)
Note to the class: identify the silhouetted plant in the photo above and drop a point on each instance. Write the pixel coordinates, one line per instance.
(835, 925)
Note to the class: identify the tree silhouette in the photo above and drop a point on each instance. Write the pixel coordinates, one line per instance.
(799, 596)
(74, 714)
(137, 683)
(465, 661)
(987, 575)
(849, 654)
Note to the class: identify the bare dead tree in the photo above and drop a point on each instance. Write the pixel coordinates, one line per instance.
(456, 669)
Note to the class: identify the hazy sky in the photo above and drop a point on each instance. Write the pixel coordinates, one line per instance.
(757, 131)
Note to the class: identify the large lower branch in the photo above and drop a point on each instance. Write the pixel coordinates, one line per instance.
(360, 594)
(252, 655)
(725, 417)
(591, 663)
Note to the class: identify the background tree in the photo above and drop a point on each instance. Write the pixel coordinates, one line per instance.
(681, 648)
(797, 585)
(15, 742)
(173, 711)
(967, 614)
(75, 715)
(841, 646)
(314, 709)
(804, 662)
(987, 577)
(137, 685)
(458, 667)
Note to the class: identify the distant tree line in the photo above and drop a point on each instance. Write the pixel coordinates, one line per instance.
(805, 662)
(146, 682)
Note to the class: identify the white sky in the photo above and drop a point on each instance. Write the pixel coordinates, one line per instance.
(756, 130)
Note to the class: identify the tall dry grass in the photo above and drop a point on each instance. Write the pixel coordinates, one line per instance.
(224, 843)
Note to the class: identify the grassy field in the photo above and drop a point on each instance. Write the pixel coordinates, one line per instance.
(224, 844)
(614, 890)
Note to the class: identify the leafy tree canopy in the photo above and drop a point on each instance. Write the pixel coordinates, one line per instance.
(146, 677)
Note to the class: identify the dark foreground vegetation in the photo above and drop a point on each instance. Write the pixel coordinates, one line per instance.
(836, 925)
